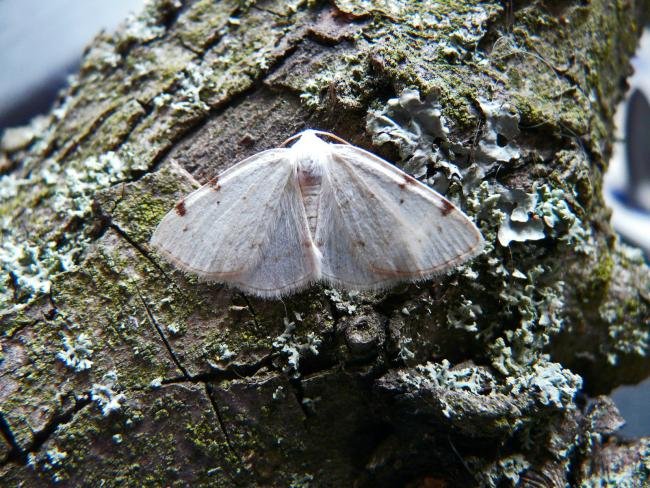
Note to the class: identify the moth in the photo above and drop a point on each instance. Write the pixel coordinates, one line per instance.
(315, 211)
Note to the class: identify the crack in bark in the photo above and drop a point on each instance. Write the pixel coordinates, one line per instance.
(249, 305)
(222, 424)
(16, 452)
(147, 111)
(267, 10)
(462, 460)
(299, 393)
(140, 249)
(229, 373)
(155, 324)
(20, 455)
(73, 144)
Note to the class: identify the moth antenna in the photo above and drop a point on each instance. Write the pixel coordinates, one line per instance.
(320, 133)
(332, 136)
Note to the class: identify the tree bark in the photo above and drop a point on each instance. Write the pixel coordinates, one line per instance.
(116, 370)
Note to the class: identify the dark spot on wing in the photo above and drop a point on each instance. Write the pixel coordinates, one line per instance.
(408, 180)
(180, 208)
(401, 200)
(446, 208)
(306, 244)
(185, 229)
(360, 244)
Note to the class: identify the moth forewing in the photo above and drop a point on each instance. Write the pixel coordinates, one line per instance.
(397, 230)
(225, 223)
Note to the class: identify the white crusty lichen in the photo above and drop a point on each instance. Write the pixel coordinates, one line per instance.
(107, 399)
(53, 461)
(453, 33)
(224, 353)
(144, 26)
(77, 352)
(79, 181)
(175, 329)
(192, 80)
(31, 260)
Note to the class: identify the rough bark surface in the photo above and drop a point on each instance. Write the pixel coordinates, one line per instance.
(116, 370)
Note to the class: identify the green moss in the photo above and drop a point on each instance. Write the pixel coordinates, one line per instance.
(597, 285)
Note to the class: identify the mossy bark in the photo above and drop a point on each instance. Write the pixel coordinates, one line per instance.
(117, 370)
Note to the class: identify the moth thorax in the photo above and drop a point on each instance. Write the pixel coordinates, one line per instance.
(310, 172)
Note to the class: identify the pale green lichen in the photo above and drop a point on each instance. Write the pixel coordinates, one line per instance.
(443, 376)
(502, 119)
(344, 301)
(291, 349)
(404, 354)
(443, 35)
(144, 26)
(504, 470)
(542, 212)
(412, 125)
(464, 316)
(549, 383)
(301, 481)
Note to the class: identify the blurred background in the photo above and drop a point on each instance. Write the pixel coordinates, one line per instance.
(42, 42)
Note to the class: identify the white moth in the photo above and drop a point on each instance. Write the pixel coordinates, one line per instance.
(285, 218)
